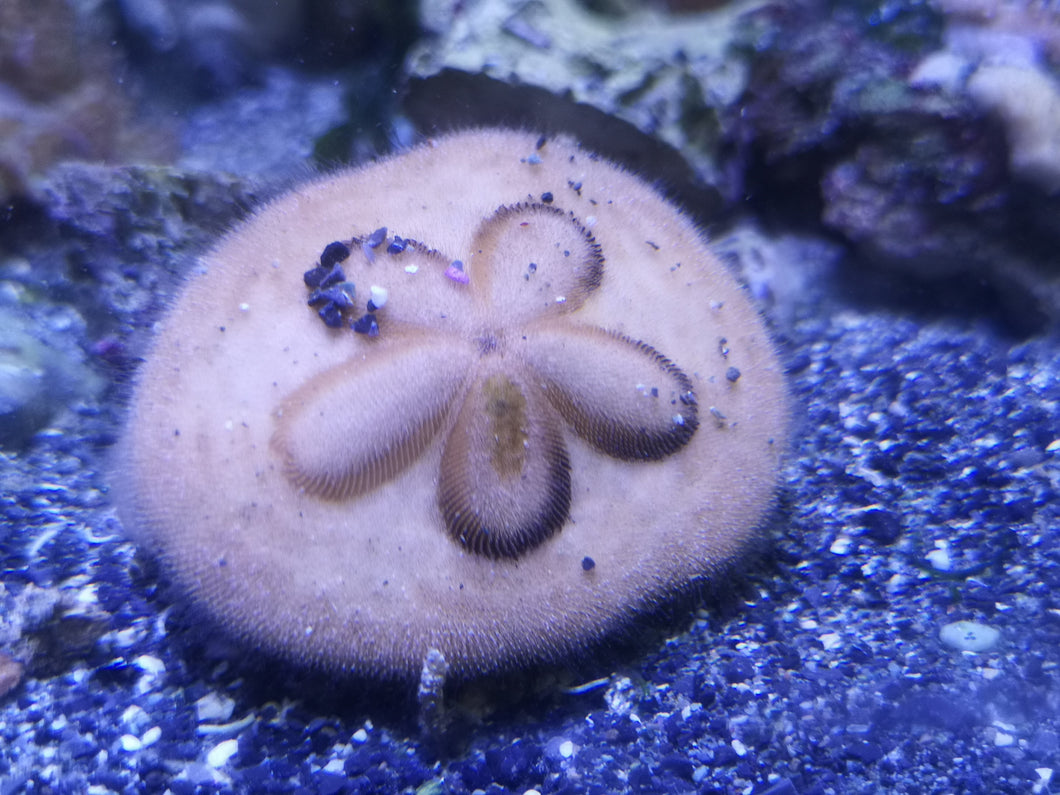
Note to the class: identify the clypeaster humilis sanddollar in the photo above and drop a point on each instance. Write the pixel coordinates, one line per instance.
(492, 396)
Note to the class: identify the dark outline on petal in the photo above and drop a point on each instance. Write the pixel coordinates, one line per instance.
(465, 523)
(593, 264)
(625, 443)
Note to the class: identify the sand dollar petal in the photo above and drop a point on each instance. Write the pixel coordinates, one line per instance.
(505, 476)
(619, 394)
(357, 425)
(534, 259)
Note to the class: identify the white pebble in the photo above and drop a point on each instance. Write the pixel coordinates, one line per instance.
(940, 559)
(411, 268)
(942, 69)
(566, 749)
(131, 743)
(378, 295)
(841, 546)
(151, 665)
(360, 736)
(831, 641)
(969, 636)
(124, 638)
(214, 708)
(134, 717)
(151, 736)
(221, 753)
(619, 696)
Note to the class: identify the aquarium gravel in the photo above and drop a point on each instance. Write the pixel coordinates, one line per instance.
(822, 672)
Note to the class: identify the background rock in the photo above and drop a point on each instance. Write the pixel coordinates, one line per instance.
(864, 122)
(642, 86)
(60, 94)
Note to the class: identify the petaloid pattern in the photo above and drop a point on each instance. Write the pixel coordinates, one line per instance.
(488, 352)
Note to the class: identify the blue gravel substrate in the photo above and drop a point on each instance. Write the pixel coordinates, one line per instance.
(922, 489)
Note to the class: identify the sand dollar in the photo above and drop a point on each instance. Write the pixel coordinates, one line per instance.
(402, 405)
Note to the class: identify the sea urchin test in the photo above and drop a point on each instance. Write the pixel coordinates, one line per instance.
(492, 396)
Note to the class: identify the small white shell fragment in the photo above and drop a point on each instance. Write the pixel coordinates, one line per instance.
(233, 727)
(221, 753)
(378, 296)
(969, 636)
(566, 749)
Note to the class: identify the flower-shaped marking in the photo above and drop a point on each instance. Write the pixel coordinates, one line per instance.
(484, 346)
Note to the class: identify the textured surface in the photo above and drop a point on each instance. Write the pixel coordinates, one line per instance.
(357, 500)
(924, 489)
(922, 435)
